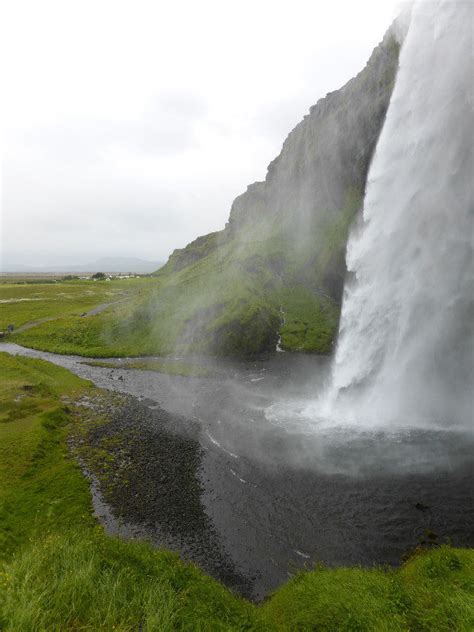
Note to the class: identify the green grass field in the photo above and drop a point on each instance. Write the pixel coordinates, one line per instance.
(59, 571)
(52, 315)
(24, 303)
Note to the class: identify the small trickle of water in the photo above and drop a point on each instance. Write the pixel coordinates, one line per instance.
(282, 322)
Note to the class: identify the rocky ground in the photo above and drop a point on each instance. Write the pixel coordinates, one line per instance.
(143, 464)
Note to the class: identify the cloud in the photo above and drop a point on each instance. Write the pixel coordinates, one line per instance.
(131, 126)
(166, 126)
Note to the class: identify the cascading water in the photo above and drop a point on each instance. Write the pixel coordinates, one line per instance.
(405, 351)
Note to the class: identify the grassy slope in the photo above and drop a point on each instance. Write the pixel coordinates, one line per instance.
(60, 571)
(240, 316)
(247, 288)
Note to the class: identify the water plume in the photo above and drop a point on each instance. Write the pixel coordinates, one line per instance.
(405, 351)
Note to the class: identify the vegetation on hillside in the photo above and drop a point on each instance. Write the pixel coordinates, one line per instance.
(59, 571)
(177, 314)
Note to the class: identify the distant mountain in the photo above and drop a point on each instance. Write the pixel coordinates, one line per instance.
(104, 264)
(122, 264)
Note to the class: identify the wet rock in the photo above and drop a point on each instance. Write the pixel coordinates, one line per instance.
(422, 507)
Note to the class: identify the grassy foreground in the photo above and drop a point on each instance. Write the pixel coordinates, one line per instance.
(58, 570)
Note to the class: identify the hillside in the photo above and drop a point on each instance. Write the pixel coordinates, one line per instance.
(278, 266)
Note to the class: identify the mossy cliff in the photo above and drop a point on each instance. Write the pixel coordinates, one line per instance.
(278, 266)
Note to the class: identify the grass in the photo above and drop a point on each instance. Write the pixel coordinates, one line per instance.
(21, 304)
(59, 571)
(39, 485)
(409, 599)
(76, 569)
(62, 304)
(92, 337)
(357, 599)
(309, 320)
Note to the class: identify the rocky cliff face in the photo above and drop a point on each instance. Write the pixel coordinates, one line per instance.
(329, 151)
(278, 266)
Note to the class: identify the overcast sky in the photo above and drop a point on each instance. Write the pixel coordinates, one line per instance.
(130, 126)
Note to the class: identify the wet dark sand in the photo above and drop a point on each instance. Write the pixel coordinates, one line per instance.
(252, 502)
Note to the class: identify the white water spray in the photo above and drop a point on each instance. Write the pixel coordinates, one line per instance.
(405, 352)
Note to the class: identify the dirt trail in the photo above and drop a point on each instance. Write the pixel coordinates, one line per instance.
(34, 323)
(92, 312)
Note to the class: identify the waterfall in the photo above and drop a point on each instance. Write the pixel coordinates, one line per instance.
(405, 350)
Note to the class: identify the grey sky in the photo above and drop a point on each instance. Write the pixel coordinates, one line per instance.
(130, 126)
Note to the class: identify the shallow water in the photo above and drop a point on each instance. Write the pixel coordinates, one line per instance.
(282, 494)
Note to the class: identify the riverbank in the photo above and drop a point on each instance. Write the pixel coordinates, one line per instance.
(58, 569)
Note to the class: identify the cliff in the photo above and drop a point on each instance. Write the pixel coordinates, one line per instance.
(278, 266)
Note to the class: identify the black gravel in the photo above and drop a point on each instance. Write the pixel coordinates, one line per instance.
(148, 486)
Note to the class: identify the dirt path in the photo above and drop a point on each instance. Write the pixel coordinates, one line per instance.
(34, 323)
(92, 312)
(102, 308)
